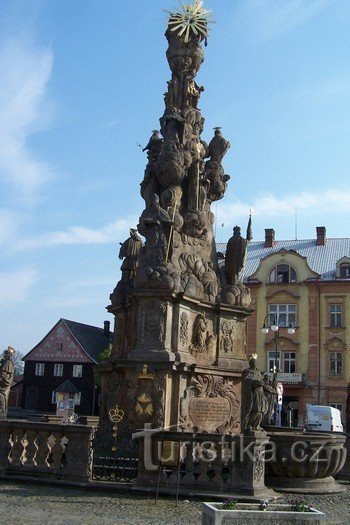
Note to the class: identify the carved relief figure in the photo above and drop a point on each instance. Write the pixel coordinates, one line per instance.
(199, 332)
(6, 377)
(227, 339)
(153, 324)
(184, 328)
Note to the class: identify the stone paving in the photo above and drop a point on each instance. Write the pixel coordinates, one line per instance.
(34, 504)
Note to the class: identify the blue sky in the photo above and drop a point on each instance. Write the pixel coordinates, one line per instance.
(82, 83)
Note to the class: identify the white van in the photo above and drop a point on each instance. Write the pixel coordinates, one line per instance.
(323, 418)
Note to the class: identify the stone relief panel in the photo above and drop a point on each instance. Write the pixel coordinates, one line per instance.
(210, 404)
(145, 398)
(152, 324)
(184, 329)
(227, 337)
(335, 344)
(232, 339)
(203, 340)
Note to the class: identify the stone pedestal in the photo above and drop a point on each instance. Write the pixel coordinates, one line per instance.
(177, 363)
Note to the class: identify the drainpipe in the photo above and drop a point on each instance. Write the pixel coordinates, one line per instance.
(319, 348)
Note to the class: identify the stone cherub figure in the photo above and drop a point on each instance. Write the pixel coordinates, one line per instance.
(236, 252)
(6, 376)
(254, 403)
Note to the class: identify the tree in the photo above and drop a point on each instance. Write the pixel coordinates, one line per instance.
(19, 364)
(104, 354)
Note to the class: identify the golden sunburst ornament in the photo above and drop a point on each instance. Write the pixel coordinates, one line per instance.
(190, 18)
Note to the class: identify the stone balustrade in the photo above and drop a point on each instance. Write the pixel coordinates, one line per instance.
(202, 463)
(45, 450)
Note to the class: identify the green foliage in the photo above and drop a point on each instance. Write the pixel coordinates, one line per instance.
(103, 355)
(229, 504)
(299, 506)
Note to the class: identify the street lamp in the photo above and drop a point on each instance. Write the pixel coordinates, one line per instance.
(272, 321)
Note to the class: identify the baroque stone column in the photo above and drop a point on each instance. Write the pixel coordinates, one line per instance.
(180, 316)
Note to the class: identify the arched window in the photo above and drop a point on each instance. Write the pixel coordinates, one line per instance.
(283, 273)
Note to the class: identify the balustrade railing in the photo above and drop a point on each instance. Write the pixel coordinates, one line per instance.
(45, 450)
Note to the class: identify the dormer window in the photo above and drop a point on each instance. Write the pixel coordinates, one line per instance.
(344, 271)
(282, 274)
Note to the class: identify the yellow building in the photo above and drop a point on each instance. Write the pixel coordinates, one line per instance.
(302, 284)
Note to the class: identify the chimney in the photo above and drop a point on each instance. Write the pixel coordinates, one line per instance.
(106, 327)
(269, 238)
(320, 235)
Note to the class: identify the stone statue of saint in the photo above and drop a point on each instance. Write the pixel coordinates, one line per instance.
(6, 376)
(254, 402)
(129, 251)
(154, 145)
(218, 146)
(271, 398)
(236, 252)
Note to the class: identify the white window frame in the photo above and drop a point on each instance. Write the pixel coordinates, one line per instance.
(39, 369)
(284, 314)
(54, 398)
(335, 315)
(277, 278)
(271, 356)
(338, 359)
(77, 398)
(291, 360)
(58, 370)
(77, 368)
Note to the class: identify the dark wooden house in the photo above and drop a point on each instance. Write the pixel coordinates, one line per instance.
(69, 351)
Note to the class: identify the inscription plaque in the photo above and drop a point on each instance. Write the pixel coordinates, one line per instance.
(209, 413)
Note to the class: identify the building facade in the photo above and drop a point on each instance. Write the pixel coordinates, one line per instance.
(304, 284)
(68, 352)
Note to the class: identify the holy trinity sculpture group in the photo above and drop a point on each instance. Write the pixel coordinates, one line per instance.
(183, 176)
(181, 306)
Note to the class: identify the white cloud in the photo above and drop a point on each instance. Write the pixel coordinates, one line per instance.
(15, 286)
(275, 17)
(24, 109)
(78, 235)
(9, 223)
(269, 205)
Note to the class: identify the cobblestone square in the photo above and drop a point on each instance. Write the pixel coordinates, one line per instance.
(34, 504)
